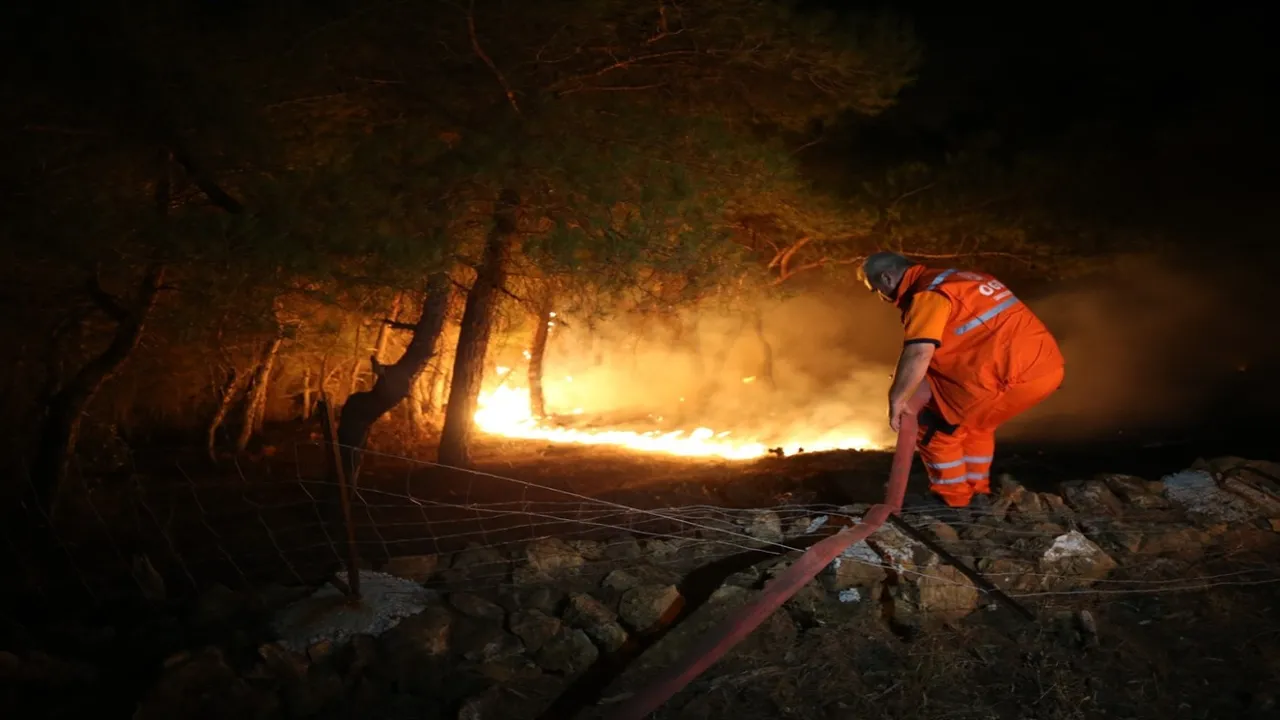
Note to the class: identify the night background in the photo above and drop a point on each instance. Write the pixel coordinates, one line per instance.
(482, 259)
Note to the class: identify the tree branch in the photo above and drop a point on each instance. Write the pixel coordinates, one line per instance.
(105, 301)
(480, 53)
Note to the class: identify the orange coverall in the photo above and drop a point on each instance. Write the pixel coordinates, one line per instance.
(994, 359)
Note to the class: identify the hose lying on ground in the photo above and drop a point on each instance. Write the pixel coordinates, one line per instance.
(742, 622)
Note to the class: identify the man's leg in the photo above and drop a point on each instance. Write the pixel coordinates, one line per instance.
(980, 440)
(942, 453)
(979, 448)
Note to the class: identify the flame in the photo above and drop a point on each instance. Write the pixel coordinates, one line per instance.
(505, 411)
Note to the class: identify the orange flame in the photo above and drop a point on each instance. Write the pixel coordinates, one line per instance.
(505, 411)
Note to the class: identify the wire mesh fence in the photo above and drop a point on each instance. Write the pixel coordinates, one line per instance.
(250, 526)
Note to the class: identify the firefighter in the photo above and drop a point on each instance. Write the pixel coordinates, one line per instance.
(984, 355)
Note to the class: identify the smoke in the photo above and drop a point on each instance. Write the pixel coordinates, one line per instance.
(803, 373)
(1151, 345)
(1148, 345)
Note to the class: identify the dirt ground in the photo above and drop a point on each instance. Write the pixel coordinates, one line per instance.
(1208, 652)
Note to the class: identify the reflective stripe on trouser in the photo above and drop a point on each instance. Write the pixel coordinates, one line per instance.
(958, 463)
(943, 458)
(979, 447)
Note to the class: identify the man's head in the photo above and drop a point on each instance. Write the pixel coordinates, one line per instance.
(882, 274)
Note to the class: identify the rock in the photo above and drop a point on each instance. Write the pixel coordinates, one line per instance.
(1029, 508)
(729, 597)
(1257, 491)
(475, 563)
(549, 559)
(282, 664)
(321, 688)
(476, 606)
(854, 511)
(945, 594)
(599, 622)
(1186, 543)
(945, 534)
(656, 574)
(1137, 492)
(218, 604)
(1197, 492)
(569, 652)
(361, 654)
(765, 525)
(428, 632)
(534, 627)
(539, 597)
(1092, 497)
(749, 577)
(418, 568)
(646, 607)
(1057, 509)
(1010, 574)
(623, 547)
(204, 686)
(320, 652)
(900, 552)
(662, 548)
(588, 549)
(487, 643)
(1074, 560)
(718, 530)
(859, 566)
(480, 707)
(620, 581)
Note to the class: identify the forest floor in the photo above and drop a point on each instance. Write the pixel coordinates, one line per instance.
(1199, 638)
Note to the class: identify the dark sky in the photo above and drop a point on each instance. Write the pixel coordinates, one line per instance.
(1173, 97)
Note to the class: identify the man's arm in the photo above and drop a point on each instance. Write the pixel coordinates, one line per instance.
(923, 325)
(913, 363)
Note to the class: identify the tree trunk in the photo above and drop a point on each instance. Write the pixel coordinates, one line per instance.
(380, 343)
(537, 351)
(418, 395)
(306, 393)
(255, 404)
(473, 336)
(393, 382)
(60, 427)
(229, 395)
(353, 380)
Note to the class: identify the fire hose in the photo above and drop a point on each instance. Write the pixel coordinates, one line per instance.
(713, 646)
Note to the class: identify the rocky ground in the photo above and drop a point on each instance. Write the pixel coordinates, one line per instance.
(1149, 598)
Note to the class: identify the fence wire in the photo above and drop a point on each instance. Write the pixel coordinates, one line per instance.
(251, 527)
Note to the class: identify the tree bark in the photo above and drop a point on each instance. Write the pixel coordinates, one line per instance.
(353, 380)
(306, 393)
(255, 404)
(60, 427)
(537, 352)
(473, 336)
(380, 342)
(229, 395)
(393, 382)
